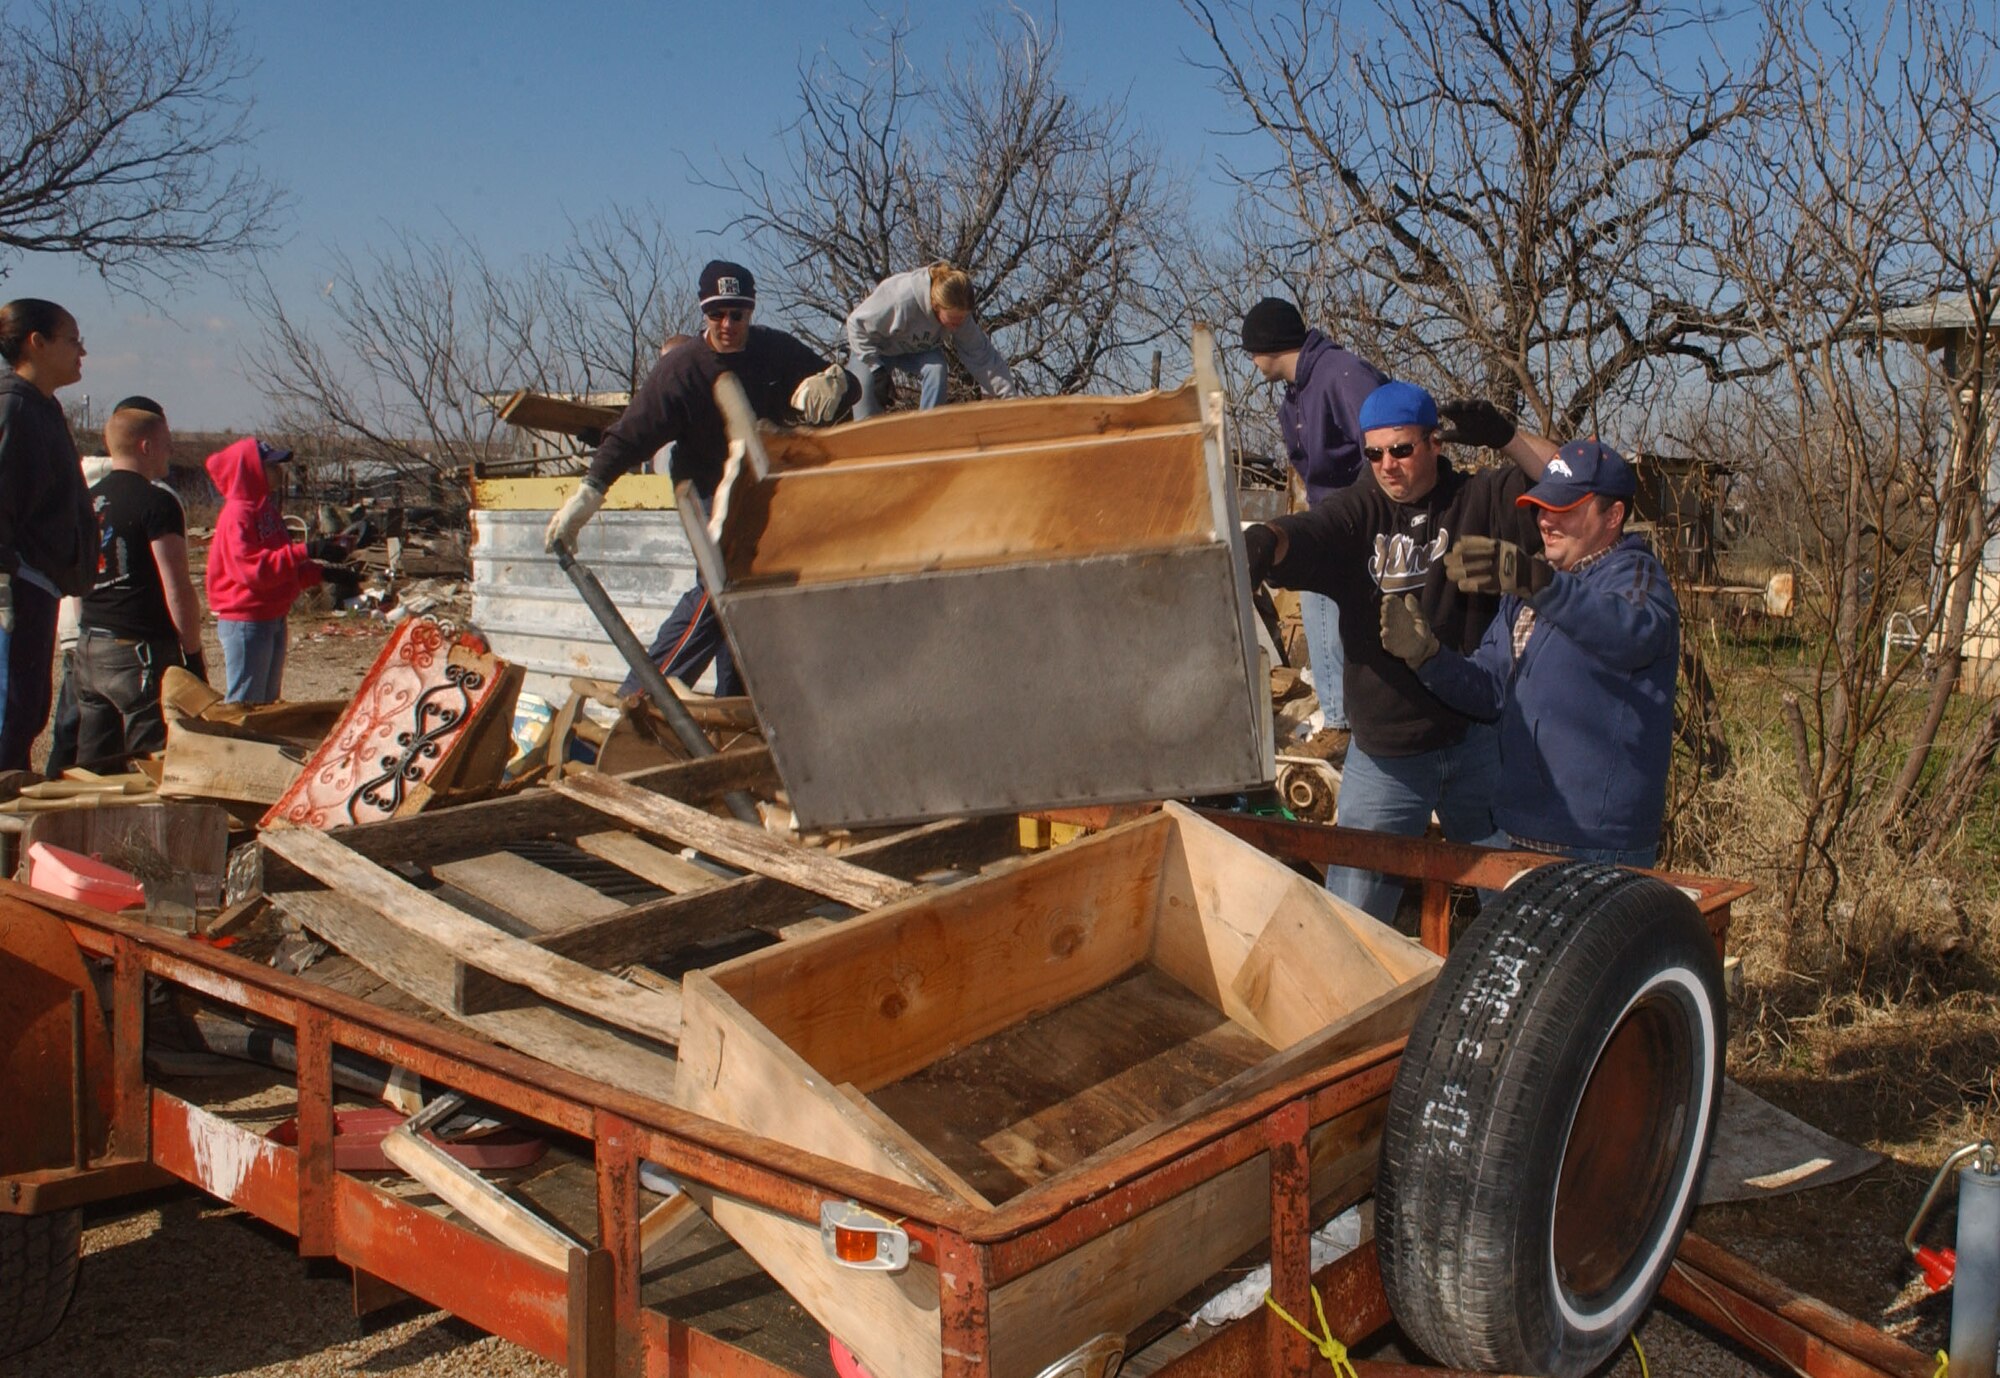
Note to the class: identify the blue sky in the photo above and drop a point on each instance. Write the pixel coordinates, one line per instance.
(504, 118)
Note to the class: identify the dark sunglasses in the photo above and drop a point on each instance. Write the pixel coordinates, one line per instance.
(732, 314)
(1373, 453)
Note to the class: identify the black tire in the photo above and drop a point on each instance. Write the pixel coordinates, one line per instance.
(1550, 1122)
(38, 1262)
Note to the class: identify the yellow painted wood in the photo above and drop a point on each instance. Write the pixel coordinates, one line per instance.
(633, 493)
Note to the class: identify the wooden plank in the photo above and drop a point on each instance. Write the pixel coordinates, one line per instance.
(427, 972)
(927, 1167)
(982, 426)
(647, 931)
(876, 998)
(660, 1228)
(674, 874)
(634, 492)
(468, 829)
(652, 1013)
(734, 843)
(534, 894)
(203, 762)
(478, 1200)
(1384, 1019)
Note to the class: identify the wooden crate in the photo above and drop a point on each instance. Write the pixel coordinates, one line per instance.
(993, 607)
(985, 1040)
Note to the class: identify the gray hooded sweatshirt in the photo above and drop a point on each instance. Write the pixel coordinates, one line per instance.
(896, 319)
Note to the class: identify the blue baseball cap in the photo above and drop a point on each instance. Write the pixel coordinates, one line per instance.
(1579, 470)
(1398, 404)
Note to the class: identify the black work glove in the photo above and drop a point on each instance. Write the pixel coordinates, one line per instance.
(1260, 548)
(590, 437)
(1475, 421)
(1406, 634)
(1480, 564)
(196, 663)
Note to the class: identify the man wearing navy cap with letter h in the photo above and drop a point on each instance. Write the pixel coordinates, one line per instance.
(1578, 667)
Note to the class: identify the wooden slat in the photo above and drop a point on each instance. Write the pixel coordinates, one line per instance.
(674, 874)
(734, 843)
(534, 894)
(648, 930)
(652, 1013)
(428, 972)
(469, 829)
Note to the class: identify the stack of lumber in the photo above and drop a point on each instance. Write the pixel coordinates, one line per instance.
(475, 913)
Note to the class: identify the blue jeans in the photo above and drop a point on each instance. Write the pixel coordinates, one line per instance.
(686, 642)
(1320, 618)
(27, 665)
(253, 658)
(928, 368)
(63, 730)
(1397, 794)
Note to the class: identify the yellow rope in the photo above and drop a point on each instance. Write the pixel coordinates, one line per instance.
(1332, 1350)
(1639, 1350)
(1944, 1365)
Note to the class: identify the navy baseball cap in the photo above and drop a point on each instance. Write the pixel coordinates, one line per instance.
(1579, 470)
(1398, 404)
(727, 284)
(272, 454)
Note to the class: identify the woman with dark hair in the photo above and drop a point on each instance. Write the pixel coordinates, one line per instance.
(48, 535)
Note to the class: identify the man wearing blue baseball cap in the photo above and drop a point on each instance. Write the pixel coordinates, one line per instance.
(1577, 669)
(1386, 536)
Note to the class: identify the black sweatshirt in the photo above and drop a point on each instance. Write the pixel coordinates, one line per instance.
(1360, 544)
(45, 516)
(676, 405)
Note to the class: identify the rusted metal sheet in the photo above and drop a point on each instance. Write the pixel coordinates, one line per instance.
(42, 1044)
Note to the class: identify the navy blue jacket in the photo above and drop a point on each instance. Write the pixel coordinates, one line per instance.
(1319, 415)
(1587, 714)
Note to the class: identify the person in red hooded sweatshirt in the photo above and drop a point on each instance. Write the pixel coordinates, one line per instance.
(255, 570)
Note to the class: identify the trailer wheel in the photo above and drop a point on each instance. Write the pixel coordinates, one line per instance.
(1550, 1121)
(38, 1262)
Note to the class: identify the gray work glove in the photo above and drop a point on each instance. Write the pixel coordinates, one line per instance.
(568, 522)
(1406, 634)
(1480, 564)
(818, 399)
(7, 604)
(1475, 421)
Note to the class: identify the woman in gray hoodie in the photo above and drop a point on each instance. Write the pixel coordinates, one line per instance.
(904, 324)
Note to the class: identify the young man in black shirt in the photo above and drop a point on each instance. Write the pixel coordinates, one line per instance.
(785, 381)
(142, 614)
(1388, 535)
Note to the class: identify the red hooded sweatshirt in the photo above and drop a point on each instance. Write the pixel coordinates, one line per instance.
(255, 568)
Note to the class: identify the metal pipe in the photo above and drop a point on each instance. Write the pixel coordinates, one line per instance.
(1975, 1301)
(648, 674)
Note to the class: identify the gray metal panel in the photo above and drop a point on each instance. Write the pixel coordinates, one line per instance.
(527, 609)
(1026, 686)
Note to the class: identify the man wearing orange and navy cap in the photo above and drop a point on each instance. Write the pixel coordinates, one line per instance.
(1577, 668)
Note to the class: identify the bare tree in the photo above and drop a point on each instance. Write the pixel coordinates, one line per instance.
(1875, 186)
(409, 347)
(120, 133)
(1058, 209)
(1507, 187)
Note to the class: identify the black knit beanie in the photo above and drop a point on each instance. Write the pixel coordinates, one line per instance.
(1273, 326)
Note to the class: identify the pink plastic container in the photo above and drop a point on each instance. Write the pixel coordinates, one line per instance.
(59, 871)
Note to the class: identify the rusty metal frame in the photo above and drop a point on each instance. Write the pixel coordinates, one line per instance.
(589, 1316)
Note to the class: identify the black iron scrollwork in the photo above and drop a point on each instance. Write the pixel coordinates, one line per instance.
(439, 711)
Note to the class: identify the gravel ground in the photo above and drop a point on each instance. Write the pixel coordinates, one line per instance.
(176, 1285)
